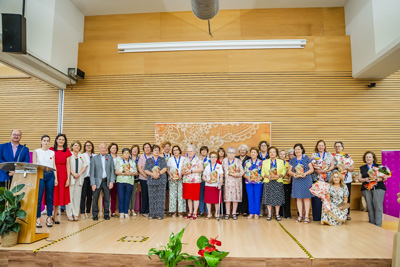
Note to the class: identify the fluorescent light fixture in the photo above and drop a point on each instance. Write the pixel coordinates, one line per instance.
(211, 45)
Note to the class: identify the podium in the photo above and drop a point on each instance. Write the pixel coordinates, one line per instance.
(30, 175)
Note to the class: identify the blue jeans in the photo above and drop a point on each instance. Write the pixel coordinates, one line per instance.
(202, 205)
(124, 196)
(46, 182)
(254, 194)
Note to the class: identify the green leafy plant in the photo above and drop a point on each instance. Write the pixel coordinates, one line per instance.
(11, 212)
(209, 254)
(171, 254)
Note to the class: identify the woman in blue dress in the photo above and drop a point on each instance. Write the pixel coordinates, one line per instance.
(300, 168)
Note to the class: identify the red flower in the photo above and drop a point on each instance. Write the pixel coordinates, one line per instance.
(106, 159)
(210, 249)
(51, 158)
(214, 242)
(201, 252)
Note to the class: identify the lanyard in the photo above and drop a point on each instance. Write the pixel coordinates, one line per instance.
(155, 162)
(177, 163)
(273, 164)
(371, 166)
(212, 169)
(253, 165)
(232, 162)
(301, 161)
(263, 158)
(205, 159)
(323, 156)
(192, 158)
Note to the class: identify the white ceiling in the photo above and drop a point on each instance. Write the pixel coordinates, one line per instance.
(108, 7)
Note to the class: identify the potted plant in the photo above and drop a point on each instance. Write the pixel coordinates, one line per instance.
(171, 254)
(11, 214)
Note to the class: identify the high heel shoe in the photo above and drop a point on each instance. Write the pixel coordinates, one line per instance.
(48, 223)
(54, 221)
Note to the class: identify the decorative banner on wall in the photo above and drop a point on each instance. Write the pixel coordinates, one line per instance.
(391, 159)
(213, 134)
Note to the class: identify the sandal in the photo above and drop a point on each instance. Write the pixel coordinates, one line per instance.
(256, 217)
(209, 216)
(234, 216)
(250, 216)
(227, 216)
(269, 218)
(48, 223)
(38, 224)
(348, 218)
(180, 215)
(278, 217)
(189, 215)
(194, 216)
(174, 215)
(306, 220)
(299, 220)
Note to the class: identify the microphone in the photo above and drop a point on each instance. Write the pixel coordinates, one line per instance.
(19, 154)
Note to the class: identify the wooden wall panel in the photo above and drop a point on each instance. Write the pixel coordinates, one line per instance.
(302, 107)
(327, 49)
(28, 104)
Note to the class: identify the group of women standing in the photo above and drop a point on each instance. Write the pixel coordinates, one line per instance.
(257, 177)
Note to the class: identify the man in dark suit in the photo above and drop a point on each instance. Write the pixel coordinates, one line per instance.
(12, 152)
(102, 178)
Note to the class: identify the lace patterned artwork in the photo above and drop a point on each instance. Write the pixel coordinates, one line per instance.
(214, 135)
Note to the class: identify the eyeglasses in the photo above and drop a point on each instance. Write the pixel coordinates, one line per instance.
(16, 135)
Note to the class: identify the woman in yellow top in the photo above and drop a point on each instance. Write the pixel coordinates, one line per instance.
(273, 171)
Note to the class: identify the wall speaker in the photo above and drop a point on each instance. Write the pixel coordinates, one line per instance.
(14, 33)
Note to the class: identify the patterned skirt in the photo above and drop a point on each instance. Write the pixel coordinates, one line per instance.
(273, 194)
(335, 216)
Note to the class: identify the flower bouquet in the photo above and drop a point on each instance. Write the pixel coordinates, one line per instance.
(321, 189)
(254, 175)
(187, 167)
(273, 172)
(213, 176)
(209, 254)
(343, 162)
(232, 169)
(126, 167)
(156, 169)
(377, 172)
(175, 174)
(317, 163)
(299, 170)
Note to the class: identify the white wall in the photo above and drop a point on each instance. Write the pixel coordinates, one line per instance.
(374, 29)
(54, 30)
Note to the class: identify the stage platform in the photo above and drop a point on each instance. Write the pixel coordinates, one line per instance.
(250, 242)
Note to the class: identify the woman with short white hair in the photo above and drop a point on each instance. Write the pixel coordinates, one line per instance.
(233, 170)
(192, 169)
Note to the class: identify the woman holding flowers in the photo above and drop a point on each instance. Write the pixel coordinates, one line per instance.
(213, 178)
(125, 170)
(233, 170)
(273, 172)
(337, 197)
(175, 182)
(322, 172)
(192, 170)
(345, 166)
(300, 168)
(155, 169)
(287, 186)
(372, 188)
(254, 186)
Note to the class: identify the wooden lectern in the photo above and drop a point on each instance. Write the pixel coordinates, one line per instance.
(30, 175)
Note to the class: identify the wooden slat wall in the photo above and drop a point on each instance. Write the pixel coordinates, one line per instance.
(327, 49)
(302, 107)
(28, 104)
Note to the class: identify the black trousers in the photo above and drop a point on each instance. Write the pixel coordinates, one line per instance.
(86, 197)
(349, 188)
(96, 194)
(243, 207)
(316, 205)
(145, 197)
(285, 210)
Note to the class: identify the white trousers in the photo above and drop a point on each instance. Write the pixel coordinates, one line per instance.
(73, 208)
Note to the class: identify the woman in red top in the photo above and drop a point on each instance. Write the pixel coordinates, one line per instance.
(221, 155)
(63, 166)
